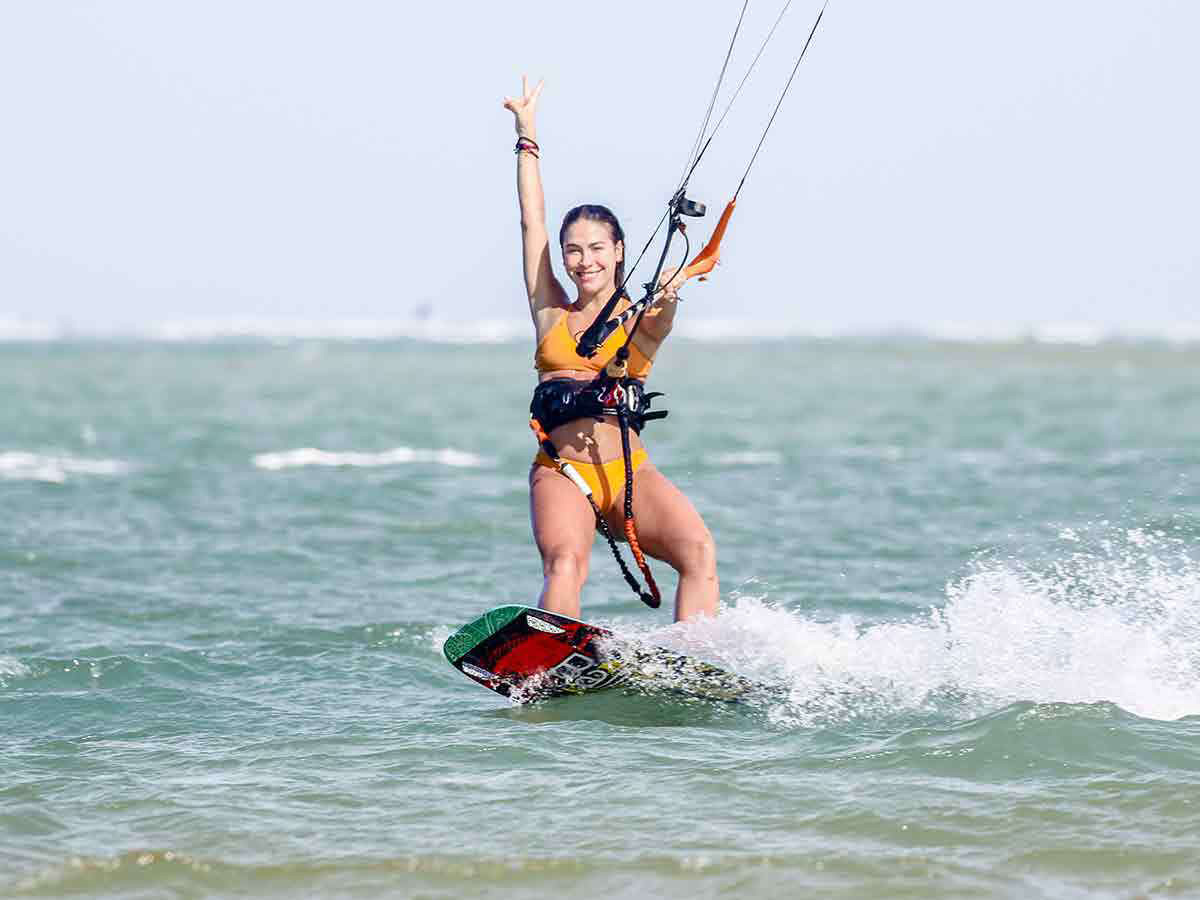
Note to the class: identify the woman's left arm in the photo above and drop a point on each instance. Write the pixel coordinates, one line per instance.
(660, 317)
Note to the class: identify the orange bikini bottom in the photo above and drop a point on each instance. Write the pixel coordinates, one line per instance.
(607, 480)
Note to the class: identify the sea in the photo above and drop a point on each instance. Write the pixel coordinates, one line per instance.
(968, 564)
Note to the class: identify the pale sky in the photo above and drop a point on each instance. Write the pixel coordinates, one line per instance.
(1032, 161)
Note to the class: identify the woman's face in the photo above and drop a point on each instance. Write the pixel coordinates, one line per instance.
(591, 256)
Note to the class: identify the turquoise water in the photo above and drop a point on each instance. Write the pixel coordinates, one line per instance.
(226, 569)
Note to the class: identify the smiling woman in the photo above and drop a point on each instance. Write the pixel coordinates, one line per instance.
(595, 248)
(610, 482)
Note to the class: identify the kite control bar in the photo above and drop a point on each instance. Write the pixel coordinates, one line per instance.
(602, 327)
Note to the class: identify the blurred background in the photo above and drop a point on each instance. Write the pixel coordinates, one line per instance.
(958, 169)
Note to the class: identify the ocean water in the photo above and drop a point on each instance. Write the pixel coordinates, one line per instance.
(227, 567)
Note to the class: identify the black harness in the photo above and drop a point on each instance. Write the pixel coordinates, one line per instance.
(561, 400)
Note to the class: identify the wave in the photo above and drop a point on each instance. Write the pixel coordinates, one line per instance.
(488, 331)
(439, 331)
(20, 466)
(1086, 334)
(661, 873)
(311, 456)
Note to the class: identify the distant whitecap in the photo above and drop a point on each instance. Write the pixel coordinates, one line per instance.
(397, 456)
(435, 331)
(28, 330)
(19, 466)
(745, 458)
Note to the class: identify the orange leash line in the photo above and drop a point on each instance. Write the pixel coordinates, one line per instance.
(630, 527)
(536, 427)
(640, 559)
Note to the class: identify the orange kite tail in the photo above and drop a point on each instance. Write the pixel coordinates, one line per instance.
(707, 258)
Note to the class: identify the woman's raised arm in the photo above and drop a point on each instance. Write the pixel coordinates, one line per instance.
(545, 293)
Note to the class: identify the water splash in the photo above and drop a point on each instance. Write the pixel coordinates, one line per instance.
(1117, 621)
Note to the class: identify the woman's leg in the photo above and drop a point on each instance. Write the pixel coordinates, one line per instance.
(564, 527)
(670, 529)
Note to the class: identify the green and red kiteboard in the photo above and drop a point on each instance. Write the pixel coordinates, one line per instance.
(529, 654)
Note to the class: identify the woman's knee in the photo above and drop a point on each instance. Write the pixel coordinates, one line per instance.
(695, 555)
(565, 563)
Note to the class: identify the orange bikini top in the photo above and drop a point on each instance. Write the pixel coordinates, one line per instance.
(556, 353)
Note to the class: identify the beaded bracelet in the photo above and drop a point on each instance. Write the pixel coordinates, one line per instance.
(528, 145)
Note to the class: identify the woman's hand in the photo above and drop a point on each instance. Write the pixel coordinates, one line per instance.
(670, 281)
(660, 317)
(524, 107)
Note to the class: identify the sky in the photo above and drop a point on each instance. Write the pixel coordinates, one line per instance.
(935, 164)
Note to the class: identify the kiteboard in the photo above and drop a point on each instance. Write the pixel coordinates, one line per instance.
(529, 654)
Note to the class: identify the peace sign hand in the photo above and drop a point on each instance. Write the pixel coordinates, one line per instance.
(524, 107)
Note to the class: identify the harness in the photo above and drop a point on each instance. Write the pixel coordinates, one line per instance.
(561, 400)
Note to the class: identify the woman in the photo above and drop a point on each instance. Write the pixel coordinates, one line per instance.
(564, 523)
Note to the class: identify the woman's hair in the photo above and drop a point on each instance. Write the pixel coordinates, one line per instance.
(596, 213)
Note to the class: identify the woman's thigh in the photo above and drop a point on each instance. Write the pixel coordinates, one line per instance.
(562, 518)
(668, 526)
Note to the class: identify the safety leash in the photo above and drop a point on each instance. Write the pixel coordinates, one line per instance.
(630, 527)
(650, 597)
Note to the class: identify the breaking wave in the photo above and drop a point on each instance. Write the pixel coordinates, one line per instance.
(311, 456)
(20, 466)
